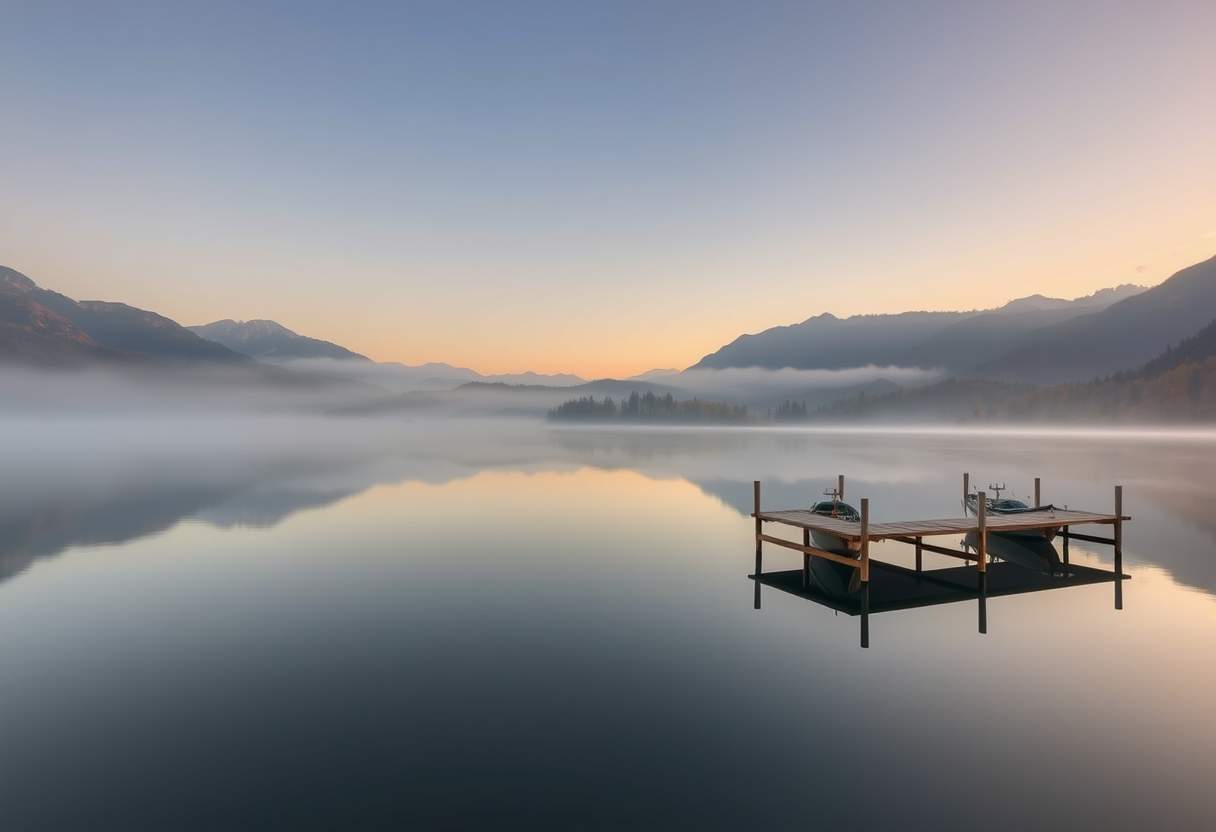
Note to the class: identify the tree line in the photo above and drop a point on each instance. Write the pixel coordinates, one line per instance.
(648, 407)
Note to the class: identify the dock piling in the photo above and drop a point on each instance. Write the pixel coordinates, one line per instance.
(865, 540)
(982, 593)
(865, 615)
(1118, 547)
(981, 513)
(1038, 499)
(756, 499)
(806, 560)
(966, 486)
(919, 545)
(840, 486)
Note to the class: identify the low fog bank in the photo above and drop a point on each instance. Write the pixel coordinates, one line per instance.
(195, 390)
(403, 378)
(391, 378)
(165, 388)
(873, 396)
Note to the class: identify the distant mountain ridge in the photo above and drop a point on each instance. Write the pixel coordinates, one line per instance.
(268, 340)
(1120, 336)
(953, 341)
(45, 328)
(271, 341)
(1179, 385)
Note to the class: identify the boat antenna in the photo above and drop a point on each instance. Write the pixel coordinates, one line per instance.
(835, 495)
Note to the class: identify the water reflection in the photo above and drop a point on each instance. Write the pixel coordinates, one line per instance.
(116, 485)
(485, 626)
(893, 587)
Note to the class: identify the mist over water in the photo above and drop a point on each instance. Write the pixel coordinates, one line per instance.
(229, 618)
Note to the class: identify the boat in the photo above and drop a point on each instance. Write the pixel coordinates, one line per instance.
(835, 578)
(997, 504)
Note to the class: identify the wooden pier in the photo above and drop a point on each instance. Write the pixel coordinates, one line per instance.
(857, 537)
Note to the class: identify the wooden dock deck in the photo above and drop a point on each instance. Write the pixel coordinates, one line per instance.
(1027, 521)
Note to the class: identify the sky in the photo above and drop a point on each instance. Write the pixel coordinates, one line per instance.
(599, 188)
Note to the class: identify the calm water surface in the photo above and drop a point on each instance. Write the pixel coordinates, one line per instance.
(301, 624)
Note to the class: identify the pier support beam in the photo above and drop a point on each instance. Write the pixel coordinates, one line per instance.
(865, 542)
(982, 592)
(981, 512)
(919, 565)
(966, 486)
(840, 486)
(756, 500)
(1038, 493)
(756, 506)
(1064, 545)
(1118, 547)
(865, 615)
(806, 560)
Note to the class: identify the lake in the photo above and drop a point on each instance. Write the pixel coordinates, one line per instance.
(299, 623)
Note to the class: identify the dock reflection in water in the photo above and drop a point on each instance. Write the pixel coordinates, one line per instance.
(1017, 566)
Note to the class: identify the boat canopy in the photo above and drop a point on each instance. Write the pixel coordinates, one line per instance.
(835, 508)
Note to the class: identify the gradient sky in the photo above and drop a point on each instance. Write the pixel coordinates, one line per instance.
(599, 188)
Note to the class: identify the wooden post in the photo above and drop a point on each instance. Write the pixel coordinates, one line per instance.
(981, 512)
(918, 561)
(1118, 547)
(840, 485)
(966, 486)
(1119, 521)
(865, 615)
(1038, 500)
(806, 561)
(756, 499)
(1064, 538)
(983, 596)
(865, 540)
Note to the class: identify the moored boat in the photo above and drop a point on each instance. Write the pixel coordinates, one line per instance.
(997, 504)
(835, 578)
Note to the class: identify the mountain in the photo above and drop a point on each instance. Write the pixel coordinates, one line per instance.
(30, 333)
(599, 387)
(985, 336)
(1099, 299)
(42, 327)
(831, 343)
(1121, 336)
(657, 374)
(950, 400)
(1179, 385)
(1197, 348)
(954, 341)
(270, 341)
(529, 377)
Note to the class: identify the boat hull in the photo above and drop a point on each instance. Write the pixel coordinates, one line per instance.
(835, 579)
(1029, 534)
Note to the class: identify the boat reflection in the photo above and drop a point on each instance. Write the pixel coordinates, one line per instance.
(1036, 553)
